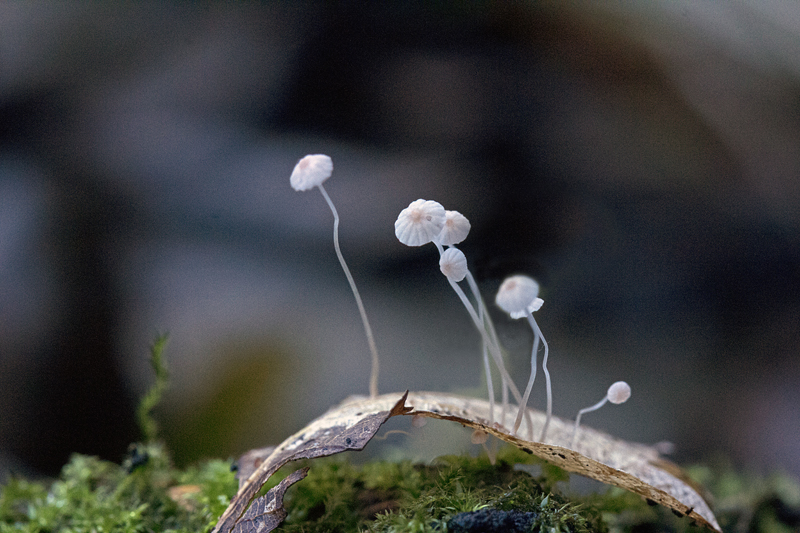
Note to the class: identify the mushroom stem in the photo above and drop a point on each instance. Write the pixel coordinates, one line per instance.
(489, 385)
(486, 328)
(618, 393)
(595, 407)
(483, 313)
(373, 380)
(527, 394)
(494, 349)
(538, 333)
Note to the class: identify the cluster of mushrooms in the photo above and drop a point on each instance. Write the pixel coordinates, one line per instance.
(426, 221)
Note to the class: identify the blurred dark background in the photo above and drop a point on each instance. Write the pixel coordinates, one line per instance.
(641, 160)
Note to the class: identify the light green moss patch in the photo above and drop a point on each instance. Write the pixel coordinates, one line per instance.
(92, 495)
(141, 495)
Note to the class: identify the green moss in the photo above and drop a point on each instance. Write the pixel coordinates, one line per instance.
(392, 497)
(93, 495)
(147, 493)
(147, 424)
(337, 496)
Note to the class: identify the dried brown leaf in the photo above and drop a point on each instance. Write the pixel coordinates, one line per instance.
(634, 467)
(267, 512)
(345, 427)
(251, 460)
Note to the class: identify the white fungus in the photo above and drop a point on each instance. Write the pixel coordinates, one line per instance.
(308, 173)
(519, 296)
(618, 393)
(420, 222)
(311, 171)
(453, 264)
(456, 228)
(424, 221)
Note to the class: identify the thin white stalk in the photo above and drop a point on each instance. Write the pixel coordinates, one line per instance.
(487, 367)
(534, 364)
(494, 349)
(484, 315)
(595, 407)
(505, 403)
(492, 343)
(489, 384)
(538, 332)
(373, 380)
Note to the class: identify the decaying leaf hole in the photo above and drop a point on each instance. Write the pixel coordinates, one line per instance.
(352, 424)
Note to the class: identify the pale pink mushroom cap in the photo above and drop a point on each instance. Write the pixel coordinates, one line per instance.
(456, 228)
(453, 264)
(419, 223)
(311, 171)
(518, 295)
(619, 392)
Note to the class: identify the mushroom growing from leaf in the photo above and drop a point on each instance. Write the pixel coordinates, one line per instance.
(618, 393)
(455, 230)
(425, 221)
(519, 297)
(308, 173)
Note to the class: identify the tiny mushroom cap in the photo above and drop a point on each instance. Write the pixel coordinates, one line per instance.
(456, 228)
(619, 392)
(453, 264)
(311, 171)
(518, 295)
(478, 437)
(420, 222)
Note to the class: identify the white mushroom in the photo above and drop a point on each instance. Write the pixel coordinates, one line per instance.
(519, 297)
(618, 393)
(420, 222)
(456, 228)
(425, 221)
(308, 173)
(453, 264)
(311, 171)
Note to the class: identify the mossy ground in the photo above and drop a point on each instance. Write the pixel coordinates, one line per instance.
(147, 493)
(142, 495)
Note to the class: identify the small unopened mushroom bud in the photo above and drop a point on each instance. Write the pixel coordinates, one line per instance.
(618, 393)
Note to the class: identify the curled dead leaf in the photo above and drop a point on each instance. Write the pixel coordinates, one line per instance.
(342, 428)
(267, 512)
(350, 425)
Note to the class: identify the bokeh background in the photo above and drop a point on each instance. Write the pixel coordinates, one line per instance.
(640, 159)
